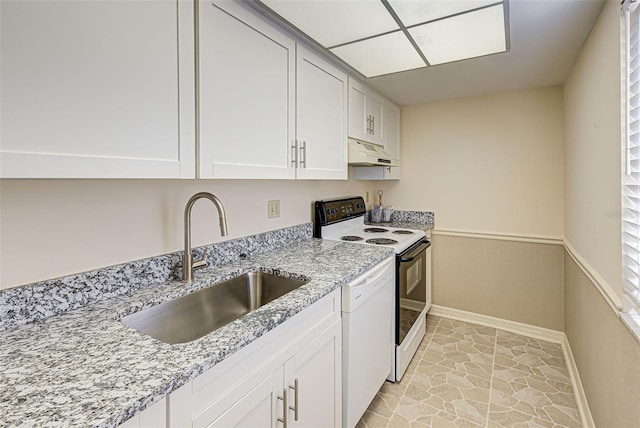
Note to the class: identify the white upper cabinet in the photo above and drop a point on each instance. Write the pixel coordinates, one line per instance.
(132, 89)
(265, 111)
(321, 118)
(366, 112)
(381, 126)
(97, 89)
(359, 118)
(376, 111)
(392, 130)
(246, 95)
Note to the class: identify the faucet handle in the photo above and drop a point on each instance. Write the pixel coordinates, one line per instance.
(201, 262)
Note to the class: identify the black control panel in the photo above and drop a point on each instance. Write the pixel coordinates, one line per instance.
(336, 210)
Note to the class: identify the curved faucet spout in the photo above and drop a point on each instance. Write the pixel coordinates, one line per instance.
(188, 264)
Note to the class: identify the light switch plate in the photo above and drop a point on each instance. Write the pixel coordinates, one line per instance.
(273, 208)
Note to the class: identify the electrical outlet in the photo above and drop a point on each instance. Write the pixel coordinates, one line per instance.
(273, 209)
(366, 197)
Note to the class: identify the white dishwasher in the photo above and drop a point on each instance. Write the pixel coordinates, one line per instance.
(367, 338)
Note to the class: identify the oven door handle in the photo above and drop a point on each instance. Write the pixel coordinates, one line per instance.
(415, 252)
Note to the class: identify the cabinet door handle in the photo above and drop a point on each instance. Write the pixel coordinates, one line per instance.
(369, 124)
(373, 125)
(294, 155)
(295, 399)
(303, 155)
(285, 408)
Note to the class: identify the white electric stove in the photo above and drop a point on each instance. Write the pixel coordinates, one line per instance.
(354, 230)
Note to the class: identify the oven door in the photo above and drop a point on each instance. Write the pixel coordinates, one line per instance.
(412, 294)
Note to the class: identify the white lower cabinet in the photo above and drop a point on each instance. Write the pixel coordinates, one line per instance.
(257, 408)
(303, 388)
(316, 369)
(292, 374)
(154, 416)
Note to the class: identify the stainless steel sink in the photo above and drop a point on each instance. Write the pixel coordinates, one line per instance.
(192, 316)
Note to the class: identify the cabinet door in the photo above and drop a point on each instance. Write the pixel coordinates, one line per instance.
(366, 114)
(358, 111)
(260, 408)
(376, 112)
(392, 130)
(321, 118)
(318, 370)
(95, 89)
(246, 95)
(154, 416)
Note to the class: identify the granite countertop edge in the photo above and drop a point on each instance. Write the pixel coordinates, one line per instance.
(120, 371)
(403, 219)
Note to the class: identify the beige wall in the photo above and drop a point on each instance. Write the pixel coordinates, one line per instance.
(593, 148)
(51, 228)
(490, 164)
(516, 281)
(485, 164)
(606, 353)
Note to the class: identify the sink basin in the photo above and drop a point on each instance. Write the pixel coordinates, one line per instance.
(192, 316)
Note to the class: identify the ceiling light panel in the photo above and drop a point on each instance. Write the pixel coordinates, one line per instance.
(385, 54)
(464, 36)
(412, 12)
(334, 22)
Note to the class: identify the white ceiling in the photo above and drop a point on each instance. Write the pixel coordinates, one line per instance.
(546, 37)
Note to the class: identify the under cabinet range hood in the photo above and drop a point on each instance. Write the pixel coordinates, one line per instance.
(362, 153)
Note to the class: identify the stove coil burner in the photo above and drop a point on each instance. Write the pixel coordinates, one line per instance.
(375, 230)
(382, 241)
(402, 232)
(351, 238)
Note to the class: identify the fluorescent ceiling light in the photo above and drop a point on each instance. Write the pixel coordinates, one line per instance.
(379, 37)
(412, 12)
(385, 54)
(334, 22)
(464, 36)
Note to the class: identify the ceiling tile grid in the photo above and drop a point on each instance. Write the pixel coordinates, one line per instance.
(380, 37)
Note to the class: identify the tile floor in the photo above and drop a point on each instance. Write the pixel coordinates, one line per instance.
(468, 375)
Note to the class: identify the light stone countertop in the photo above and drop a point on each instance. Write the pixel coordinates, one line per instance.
(86, 368)
(403, 225)
(402, 219)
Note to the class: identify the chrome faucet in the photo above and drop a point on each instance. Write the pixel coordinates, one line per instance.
(188, 264)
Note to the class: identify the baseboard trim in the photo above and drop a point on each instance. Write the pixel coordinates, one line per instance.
(503, 324)
(412, 305)
(537, 333)
(531, 239)
(576, 382)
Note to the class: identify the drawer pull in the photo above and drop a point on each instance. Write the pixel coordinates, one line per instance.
(285, 408)
(295, 399)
